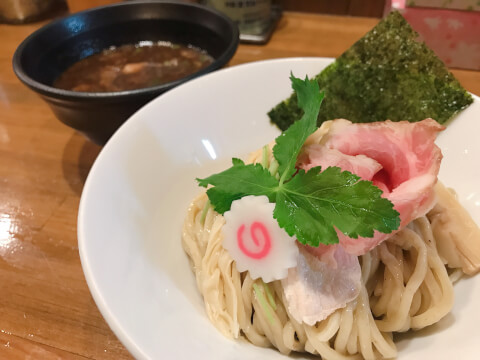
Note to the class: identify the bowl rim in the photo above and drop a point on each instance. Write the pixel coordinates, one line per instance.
(57, 93)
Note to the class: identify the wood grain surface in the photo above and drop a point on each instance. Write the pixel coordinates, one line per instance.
(370, 8)
(46, 310)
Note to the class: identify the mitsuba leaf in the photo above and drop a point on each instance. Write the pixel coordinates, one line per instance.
(238, 181)
(290, 142)
(308, 228)
(312, 203)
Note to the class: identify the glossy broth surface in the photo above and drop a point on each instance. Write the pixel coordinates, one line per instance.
(133, 66)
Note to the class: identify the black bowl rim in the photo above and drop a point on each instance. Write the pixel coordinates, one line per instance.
(105, 96)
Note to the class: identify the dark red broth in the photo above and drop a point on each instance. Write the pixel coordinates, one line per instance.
(130, 67)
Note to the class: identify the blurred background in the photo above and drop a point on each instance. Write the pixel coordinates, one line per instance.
(19, 11)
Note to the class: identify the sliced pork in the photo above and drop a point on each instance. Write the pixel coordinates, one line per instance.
(361, 165)
(401, 158)
(315, 289)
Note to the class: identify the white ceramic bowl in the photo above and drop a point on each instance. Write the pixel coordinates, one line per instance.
(137, 192)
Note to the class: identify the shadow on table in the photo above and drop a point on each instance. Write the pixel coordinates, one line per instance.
(78, 157)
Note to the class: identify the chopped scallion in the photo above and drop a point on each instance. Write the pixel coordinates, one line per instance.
(265, 156)
(204, 211)
(263, 303)
(270, 297)
(273, 168)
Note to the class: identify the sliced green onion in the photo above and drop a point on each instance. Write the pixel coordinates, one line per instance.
(273, 167)
(263, 303)
(265, 156)
(204, 211)
(270, 297)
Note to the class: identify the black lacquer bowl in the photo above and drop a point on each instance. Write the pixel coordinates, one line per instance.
(49, 51)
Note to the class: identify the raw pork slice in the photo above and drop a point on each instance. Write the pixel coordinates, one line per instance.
(315, 289)
(401, 158)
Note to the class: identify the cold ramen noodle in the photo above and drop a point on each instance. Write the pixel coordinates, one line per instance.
(330, 240)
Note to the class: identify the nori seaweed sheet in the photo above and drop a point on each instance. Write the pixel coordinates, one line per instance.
(387, 74)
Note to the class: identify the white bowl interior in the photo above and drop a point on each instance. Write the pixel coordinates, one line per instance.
(138, 190)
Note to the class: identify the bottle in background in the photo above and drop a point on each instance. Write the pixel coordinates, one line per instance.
(252, 16)
(25, 11)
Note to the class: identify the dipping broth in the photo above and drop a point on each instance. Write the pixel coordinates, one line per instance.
(130, 67)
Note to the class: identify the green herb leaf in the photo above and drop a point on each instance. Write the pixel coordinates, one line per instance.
(312, 203)
(238, 181)
(290, 142)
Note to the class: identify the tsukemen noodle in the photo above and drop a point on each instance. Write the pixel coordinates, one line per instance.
(133, 66)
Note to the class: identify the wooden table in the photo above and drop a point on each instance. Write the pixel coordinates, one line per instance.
(46, 311)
